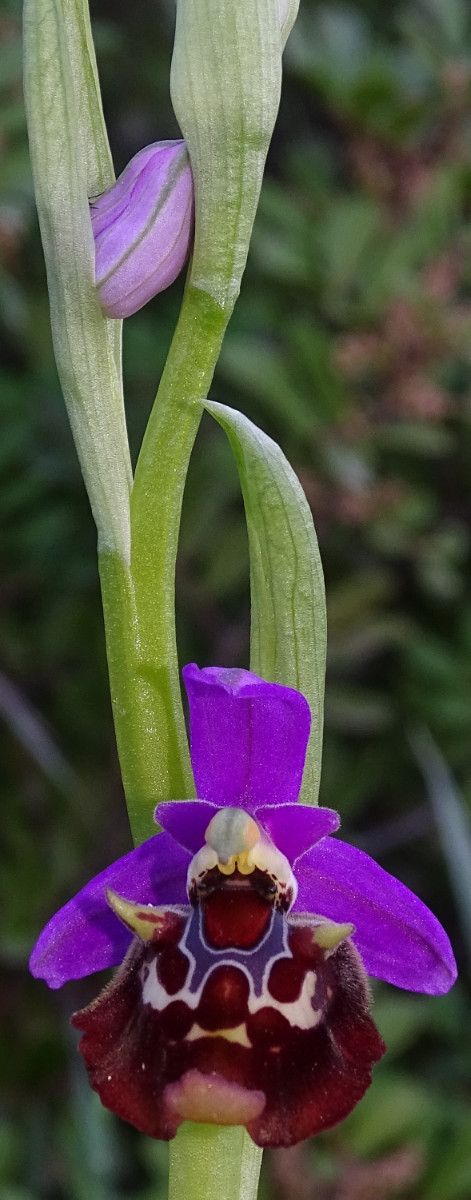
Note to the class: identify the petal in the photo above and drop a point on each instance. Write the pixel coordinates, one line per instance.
(399, 939)
(86, 936)
(295, 828)
(248, 737)
(186, 820)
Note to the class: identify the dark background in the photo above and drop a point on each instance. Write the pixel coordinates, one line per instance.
(351, 345)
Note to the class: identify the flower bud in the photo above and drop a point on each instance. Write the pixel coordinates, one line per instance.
(225, 85)
(142, 228)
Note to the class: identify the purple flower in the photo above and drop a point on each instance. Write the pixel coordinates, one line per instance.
(143, 227)
(249, 1004)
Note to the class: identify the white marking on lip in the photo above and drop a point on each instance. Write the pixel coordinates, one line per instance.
(237, 1034)
(299, 1013)
(155, 994)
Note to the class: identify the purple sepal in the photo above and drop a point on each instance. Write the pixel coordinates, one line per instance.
(294, 828)
(86, 936)
(142, 228)
(399, 939)
(248, 737)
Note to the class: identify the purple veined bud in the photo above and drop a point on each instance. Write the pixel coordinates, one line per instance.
(143, 227)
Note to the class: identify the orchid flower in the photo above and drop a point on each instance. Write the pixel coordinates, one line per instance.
(245, 932)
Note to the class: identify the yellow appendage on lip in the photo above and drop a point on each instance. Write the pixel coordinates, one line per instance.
(239, 861)
(237, 1034)
(235, 843)
(144, 920)
(329, 934)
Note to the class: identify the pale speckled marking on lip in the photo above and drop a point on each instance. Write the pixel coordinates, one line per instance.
(230, 884)
(238, 1033)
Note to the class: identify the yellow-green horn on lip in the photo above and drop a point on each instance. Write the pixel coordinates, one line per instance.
(330, 934)
(143, 920)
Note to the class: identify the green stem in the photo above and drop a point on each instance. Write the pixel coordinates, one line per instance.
(212, 1162)
(139, 601)
(207, 1161)
(132, 700)
(156, 503)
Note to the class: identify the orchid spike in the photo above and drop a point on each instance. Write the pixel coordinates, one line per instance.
(143, 227)
(245, 932)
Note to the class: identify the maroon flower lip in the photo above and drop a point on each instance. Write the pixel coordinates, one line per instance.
(249, 1004)
(224, 1013)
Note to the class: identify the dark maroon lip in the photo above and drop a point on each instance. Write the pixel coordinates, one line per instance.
(214, 880)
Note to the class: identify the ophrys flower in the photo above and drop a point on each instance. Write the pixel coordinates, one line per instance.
(246, 931)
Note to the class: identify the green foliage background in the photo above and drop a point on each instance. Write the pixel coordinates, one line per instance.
(351, 345)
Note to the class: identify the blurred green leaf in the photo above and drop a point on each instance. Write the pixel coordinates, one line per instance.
(394, 1110)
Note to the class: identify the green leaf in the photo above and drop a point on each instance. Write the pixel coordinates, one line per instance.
(70, 159)
(451, 818)
(396, 1109)
(288, 631)
(91, 128)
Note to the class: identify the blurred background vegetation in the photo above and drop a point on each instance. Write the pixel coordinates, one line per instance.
(351, 345)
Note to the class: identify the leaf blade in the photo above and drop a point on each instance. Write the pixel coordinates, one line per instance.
(288, 626)
(86, 350)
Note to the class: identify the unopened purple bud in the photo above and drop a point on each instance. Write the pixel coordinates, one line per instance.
(143, 227)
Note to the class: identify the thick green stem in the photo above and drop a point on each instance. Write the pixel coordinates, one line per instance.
(139, 603)
(132, 696)
(205, 1161)
(211, 1162)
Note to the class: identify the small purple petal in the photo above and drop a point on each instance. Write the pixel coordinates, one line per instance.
(248, 737)
(186, 820)
(86, 936)
(142, 228)
(295, 828)
(399, 939)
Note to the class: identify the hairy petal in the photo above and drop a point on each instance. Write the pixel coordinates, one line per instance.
(186, 820)
(86, 936)
(399, 939)
(248, 737)
(295, 828)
